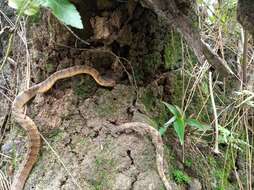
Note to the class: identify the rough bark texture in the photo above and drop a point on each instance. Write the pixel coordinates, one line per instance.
(245, 15)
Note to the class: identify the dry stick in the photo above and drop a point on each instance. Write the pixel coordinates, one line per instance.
(8, 50)
(216, 143)
(4, 183)
(8, 157)
(6, 96)
(244, 63)
(182, 73)
(236, 173)
(245, 118)
(28, 59)
(248, 154)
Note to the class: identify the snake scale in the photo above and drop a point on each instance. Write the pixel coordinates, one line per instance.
(34, 141)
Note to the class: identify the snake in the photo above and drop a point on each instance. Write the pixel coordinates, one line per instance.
(34, 140)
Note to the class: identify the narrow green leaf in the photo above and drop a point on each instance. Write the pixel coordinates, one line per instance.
(172, 109)
(196, 124)
(64, 11)
(179, 126)
(169, 122)
(179, 111)
(162, 130)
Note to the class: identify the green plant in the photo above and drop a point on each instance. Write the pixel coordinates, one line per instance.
(188, 162)
(231, 138)
(180, 177)
(62, 9)
(179, 122)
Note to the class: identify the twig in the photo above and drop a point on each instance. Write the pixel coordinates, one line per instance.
(6, 156)
(7, 97)
(216, 143)
(244, 62)
(4, 183)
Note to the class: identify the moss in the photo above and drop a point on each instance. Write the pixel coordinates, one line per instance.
(170, 158)
(85, 87)
(77, 142)
(103, 178)
(102, 182)
(112, 103)
(220, 171)
(14, 157)
(148, 99)
(154, 106)
(196, 103)
(180, 177)
(49, 67)
(173, 51)
(102, 162)
(188, 162)
(177, 89)
(36, 18)
(152, 61)
(106, 109)
(56, 134)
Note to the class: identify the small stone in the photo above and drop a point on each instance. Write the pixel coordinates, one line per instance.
(195, 185)
(7, 148)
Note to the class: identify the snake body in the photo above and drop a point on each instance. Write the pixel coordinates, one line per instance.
(33, 134)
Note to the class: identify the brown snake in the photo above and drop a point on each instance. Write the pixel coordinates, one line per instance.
(34, 137)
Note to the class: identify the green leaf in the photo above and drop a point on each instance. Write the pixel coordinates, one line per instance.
(162, 130)
(179, 126)
(179, 111)
(29, 7)
(172, 109)
(169, 122)
(196, 124)
(64, 11)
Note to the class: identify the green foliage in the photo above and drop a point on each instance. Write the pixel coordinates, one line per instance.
(28, 7)
(188, 162)
(179, 122)
(179, 126)
(104, 167)
(172, 50)
(180, 177)
(196, 124)
(84, 87)
(153, 105)
(231, 138)
(152, 61)
(62, 9)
